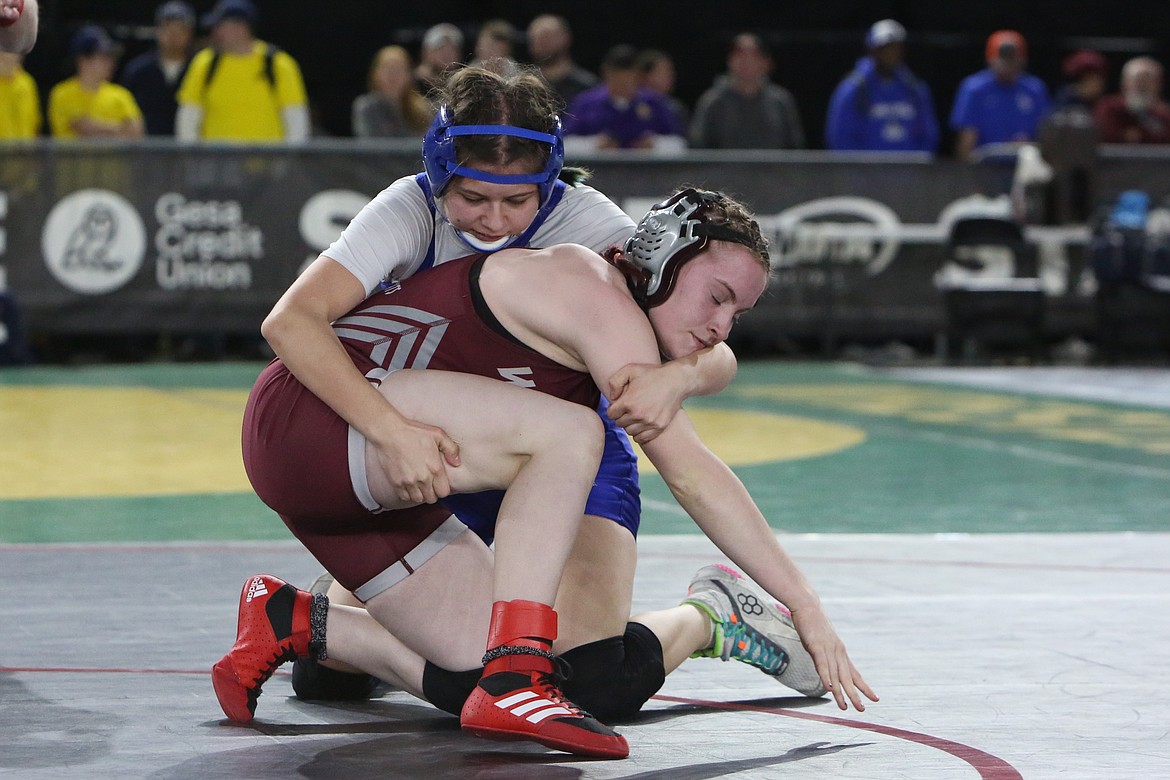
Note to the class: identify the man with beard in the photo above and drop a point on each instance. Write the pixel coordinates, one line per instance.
(1138, 114)
(549, 42)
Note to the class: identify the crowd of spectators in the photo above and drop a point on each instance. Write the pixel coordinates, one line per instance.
(619, 113)
(230, 86)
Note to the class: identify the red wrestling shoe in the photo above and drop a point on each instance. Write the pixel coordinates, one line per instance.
(276, 624)
(519, 695)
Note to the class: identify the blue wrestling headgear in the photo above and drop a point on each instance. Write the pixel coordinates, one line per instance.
(440, 162)
(670, 234)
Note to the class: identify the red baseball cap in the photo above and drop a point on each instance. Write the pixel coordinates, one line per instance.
(1083, 62)
(1002, 42)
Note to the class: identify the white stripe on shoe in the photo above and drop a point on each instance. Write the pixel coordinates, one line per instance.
(527, 701)
(537, 717)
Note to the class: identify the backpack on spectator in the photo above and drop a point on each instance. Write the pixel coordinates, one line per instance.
(1117, 253)
(269, 71)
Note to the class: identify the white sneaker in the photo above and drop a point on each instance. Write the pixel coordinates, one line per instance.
(753, 628)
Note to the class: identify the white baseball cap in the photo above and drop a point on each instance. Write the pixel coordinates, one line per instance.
(885, 32)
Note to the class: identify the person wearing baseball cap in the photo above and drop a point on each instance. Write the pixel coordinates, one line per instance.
(881, 105)
(243, 10)
(91, 40)
(88, 105)
(1001, 103)
(153, 77)
(241, 89)
(1084, 73)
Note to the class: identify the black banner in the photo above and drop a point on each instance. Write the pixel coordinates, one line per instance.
(156, 237)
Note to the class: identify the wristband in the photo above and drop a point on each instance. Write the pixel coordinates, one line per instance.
(19, 12)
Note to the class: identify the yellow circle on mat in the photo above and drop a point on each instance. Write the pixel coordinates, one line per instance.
(74, 441)
(68, 442)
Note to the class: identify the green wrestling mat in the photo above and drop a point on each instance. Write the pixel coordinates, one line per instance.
(151, 453)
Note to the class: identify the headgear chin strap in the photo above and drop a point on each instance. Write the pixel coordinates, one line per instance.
(441, 163)
(670, 234)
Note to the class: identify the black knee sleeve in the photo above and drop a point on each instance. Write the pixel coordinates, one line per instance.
(313, 682)
(612, 678)
(448, 690)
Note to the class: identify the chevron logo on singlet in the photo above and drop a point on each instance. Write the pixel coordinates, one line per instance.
(414, 335)
(531, 706)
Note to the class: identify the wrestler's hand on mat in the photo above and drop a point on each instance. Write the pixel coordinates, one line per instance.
(413, 457)
(645, 397)
(837, 672)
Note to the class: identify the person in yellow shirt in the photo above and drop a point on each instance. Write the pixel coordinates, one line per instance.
(241, 89)
(89, 105)
(20, 105)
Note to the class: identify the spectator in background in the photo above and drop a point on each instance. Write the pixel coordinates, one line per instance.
(744, 109)
(496, 40)
(441, 53)
(88, 105)
(657, 73)
(549, 44)
(1138, 114)
(20, 104)
(393, 108)
(881, 105)
(19, 20)
(1084, 72)
(153, 77)
(619, 114)
(1001, 103)
(241, 88)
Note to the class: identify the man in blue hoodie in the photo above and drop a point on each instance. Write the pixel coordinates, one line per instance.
(881, 105)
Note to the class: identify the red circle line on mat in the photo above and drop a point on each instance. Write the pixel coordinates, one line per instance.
(988, 766)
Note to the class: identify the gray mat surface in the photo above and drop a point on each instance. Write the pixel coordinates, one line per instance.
(997, 657)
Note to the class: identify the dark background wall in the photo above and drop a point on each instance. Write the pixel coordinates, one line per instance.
(814, 43)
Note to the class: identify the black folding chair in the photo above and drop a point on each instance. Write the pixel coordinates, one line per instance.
(983, 310)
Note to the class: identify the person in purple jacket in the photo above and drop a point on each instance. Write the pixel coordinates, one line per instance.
(619, 113)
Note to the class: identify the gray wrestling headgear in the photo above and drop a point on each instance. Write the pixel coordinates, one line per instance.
(670, 234)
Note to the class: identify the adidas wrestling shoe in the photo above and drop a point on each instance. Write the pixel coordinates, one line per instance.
(277, 623)
(753, 628)
(514, 705)
(519, 695)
